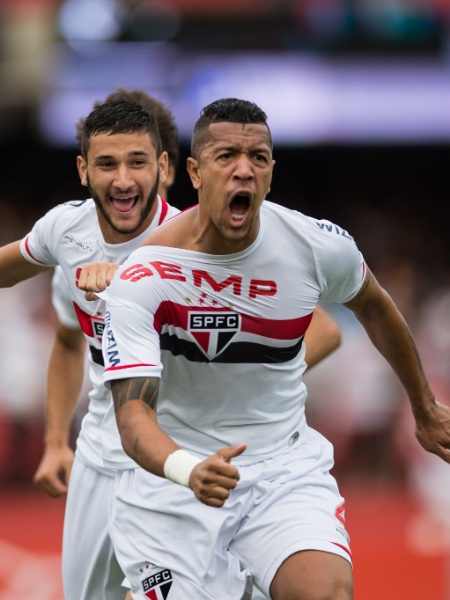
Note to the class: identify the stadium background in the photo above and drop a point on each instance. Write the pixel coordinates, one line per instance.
(358, 97)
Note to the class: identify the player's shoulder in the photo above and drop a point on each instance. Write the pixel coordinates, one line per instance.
(170, 211)
(288, 221)
(328, 233)
(173, 232)
(78, 207)
(136, 280)
(70, 211)
(322, 229)
(155, 261)
(283, 213)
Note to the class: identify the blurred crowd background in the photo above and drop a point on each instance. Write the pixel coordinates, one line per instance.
(358, 97)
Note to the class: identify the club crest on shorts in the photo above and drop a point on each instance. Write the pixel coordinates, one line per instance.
(340, 513)
(213, 331)
(157, 585)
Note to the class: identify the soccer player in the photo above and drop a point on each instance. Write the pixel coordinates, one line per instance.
(67, 361)
(206, 324)
(122, 164)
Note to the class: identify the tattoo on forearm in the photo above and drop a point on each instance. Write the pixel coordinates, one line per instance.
(140, 388)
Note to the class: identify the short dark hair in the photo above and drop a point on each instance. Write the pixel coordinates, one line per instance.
(229, 110)
(165, 120)
(120, 116)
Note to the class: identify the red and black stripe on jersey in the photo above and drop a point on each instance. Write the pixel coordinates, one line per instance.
(247, 338)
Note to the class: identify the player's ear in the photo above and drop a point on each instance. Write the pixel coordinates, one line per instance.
(163, 163)
(82, 169)
(193, 168)
(170, 180)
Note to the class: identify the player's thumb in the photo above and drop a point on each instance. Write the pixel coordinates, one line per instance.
(227, 454)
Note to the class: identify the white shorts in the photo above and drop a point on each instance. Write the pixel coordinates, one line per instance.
(256, 594)
(166, 539)
(89, 566)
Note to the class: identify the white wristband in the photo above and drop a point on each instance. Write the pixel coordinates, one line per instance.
(179, 465)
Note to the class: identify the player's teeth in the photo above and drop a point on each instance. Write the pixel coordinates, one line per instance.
(237, 217)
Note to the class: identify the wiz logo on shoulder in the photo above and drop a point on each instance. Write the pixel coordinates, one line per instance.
(213, 331)
(332, 228)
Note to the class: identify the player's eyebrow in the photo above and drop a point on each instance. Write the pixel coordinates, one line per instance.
(139, 153)
(130, 154)
(263, 149)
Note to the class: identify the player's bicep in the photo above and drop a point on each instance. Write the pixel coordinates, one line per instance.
(144, 389)
(131, 346)
(371, 300)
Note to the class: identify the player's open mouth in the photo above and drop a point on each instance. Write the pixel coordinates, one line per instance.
(124, 204)
(239, 206)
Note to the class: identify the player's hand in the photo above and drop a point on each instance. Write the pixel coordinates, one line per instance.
(433, 430)
(53, 473)
(212, 479)
(96, 277)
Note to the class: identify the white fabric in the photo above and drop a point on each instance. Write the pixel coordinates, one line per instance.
(89, 566)
(62, 301)
(225, 335)
(229, 330)
(280, 506)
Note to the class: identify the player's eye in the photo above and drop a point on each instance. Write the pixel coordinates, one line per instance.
(260, 158)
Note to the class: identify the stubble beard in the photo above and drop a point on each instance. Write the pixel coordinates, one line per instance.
(144, 214)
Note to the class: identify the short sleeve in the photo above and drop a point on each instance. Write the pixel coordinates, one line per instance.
(340, 265)
(62, 300)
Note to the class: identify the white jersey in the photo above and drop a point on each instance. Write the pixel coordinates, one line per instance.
(225, 332)
(69, 236)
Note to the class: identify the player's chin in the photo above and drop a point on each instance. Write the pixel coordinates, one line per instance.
(127, 224)
(237, 235)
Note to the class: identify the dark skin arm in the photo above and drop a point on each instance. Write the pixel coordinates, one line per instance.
(146, 443)
(390, 334)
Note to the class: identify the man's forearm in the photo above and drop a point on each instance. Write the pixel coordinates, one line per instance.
(392, 337)
(142, 439)
(64, 383)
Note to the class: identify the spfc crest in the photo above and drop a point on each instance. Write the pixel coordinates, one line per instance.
(157, 585)
(213, 330)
